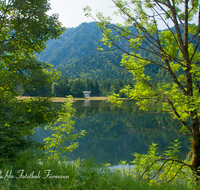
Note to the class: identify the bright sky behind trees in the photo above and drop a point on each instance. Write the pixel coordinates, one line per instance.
(71, 11)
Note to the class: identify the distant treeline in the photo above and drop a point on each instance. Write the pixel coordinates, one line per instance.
(75, 87)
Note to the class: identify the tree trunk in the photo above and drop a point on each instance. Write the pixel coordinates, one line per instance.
(196, 146)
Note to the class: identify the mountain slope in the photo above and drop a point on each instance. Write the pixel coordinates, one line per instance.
(99, 66)
(75, 55)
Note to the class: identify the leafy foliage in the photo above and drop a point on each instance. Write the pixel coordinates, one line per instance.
(151, 167)
(61, 130)
(24, 29)
(18, 121)
(175, 51)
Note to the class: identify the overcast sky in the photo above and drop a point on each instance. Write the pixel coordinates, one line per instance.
(71, 11)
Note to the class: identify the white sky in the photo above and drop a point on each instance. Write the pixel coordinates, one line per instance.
(71, 11)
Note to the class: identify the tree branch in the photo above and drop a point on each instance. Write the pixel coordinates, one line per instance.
(170, 103)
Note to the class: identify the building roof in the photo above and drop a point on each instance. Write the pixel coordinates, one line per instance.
(86, 92)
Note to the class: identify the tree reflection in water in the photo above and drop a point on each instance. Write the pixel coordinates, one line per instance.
(113, 133)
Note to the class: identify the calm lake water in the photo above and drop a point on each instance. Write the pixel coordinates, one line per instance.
(113, 133)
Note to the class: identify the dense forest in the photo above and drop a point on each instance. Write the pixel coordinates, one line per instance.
(75, 55)
(75, 87)
(65, 86)
(82, 67)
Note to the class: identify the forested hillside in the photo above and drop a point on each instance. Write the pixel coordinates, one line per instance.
(75, 55)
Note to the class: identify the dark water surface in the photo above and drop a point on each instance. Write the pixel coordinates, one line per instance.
(113, 133)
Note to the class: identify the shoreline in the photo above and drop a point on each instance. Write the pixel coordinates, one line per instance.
(97, 98)
(62, 99)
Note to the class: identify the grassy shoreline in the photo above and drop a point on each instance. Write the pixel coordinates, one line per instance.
(77, 175)
(62, 99)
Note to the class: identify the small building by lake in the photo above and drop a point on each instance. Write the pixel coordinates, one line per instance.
(87, 94)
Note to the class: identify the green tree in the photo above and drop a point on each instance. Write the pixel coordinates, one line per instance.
(24, 29)
(96, 89)
(76, 88)
(61, 87)
(174, 51)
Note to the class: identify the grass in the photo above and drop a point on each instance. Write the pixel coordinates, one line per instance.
(79, 175)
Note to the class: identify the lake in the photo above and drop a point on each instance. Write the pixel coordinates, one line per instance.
(113, 133)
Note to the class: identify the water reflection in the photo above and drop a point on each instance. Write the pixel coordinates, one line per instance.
(113, 134)
(87, 103)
